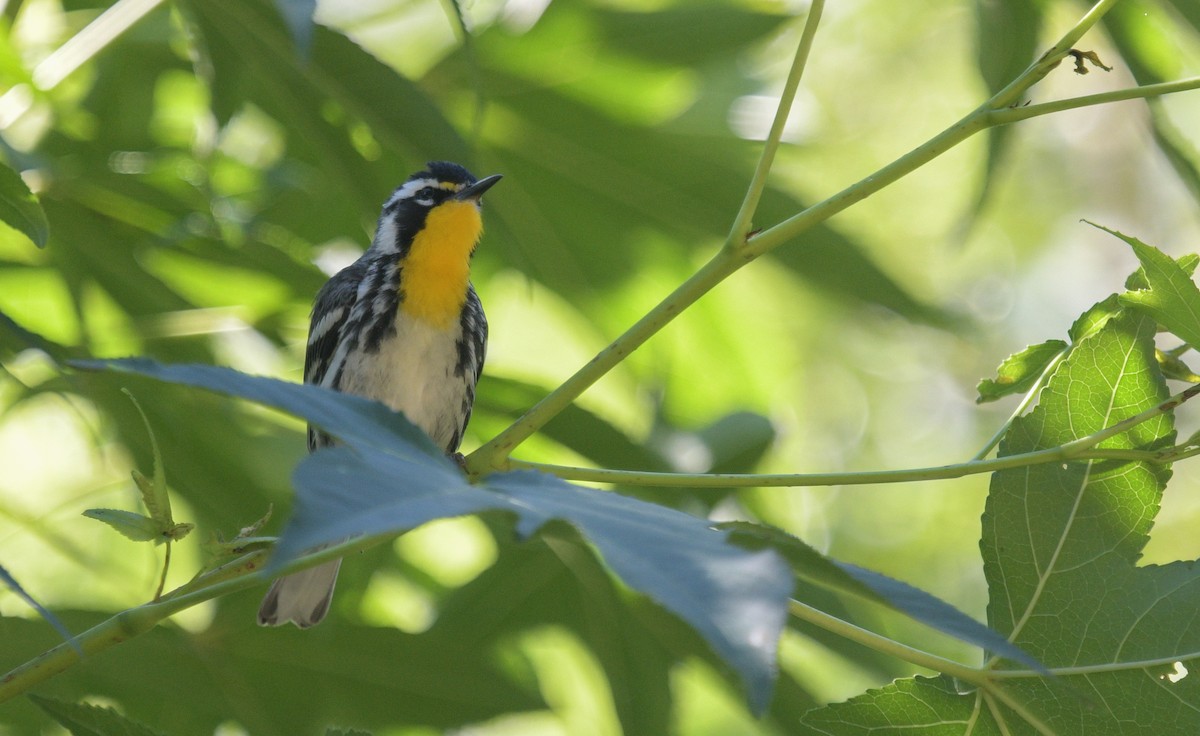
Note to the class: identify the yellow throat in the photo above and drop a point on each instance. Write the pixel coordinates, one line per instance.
(438, 266)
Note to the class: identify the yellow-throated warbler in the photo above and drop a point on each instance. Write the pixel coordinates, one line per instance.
(401, 325)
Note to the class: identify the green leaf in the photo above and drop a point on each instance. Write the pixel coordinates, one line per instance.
(82, 719)
(737, 441)
(19, 208)
(919, 706)
(1061, 544)
(734, 598)
(686, 34)
(811, 566)
(14, 338)
(1019, 371)
(350, 418)
(1137, 35)
(1172, 298)
(132, 525)
(1095, 318)
(1138, 281)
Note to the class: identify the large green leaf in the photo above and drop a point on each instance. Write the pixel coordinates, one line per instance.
(1060, 546)
(392, 479)
(735, 599)
(919, 706)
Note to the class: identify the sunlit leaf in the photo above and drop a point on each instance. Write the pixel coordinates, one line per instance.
(1172, 298)
(1019, 371)
(1060, 546)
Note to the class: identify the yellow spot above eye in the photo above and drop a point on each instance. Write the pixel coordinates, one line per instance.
(438, 266)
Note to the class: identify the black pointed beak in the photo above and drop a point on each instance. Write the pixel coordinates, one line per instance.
(473, 192)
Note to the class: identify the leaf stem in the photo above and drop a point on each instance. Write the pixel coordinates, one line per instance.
(1083, 448)
(162, 580)
(493, 454)
(1021, 407)
(881, 643)
(1093, 669)
(1016, 114)
(244, 572)
(120, 627)
(758, 182)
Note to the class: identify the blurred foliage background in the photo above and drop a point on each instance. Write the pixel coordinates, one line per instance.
(205, 168)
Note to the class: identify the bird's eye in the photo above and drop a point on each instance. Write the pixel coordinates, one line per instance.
(426, 193)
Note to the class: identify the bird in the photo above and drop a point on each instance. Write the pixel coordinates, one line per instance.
(402, 325)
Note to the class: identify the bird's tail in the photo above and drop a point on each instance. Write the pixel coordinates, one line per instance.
(302, 597)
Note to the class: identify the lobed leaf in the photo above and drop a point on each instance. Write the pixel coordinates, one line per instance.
(1061, 543)
(1060, 546)
(734, 598)
(391, 478)
(1172, 298)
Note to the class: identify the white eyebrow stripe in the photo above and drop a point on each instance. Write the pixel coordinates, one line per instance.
(409, 188)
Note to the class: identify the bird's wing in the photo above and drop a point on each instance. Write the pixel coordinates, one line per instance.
(472, 350)
(331, 313)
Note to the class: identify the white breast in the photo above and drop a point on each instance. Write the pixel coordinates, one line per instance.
(413, 373)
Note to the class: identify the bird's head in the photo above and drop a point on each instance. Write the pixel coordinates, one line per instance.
(441, 203)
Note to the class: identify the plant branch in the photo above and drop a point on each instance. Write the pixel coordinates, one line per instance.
(1021, 407)
(1016, 114)
(244, 572)
(742, 222)
(739, 251)
(1083, 448)
(881, 643)
(493, 453)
